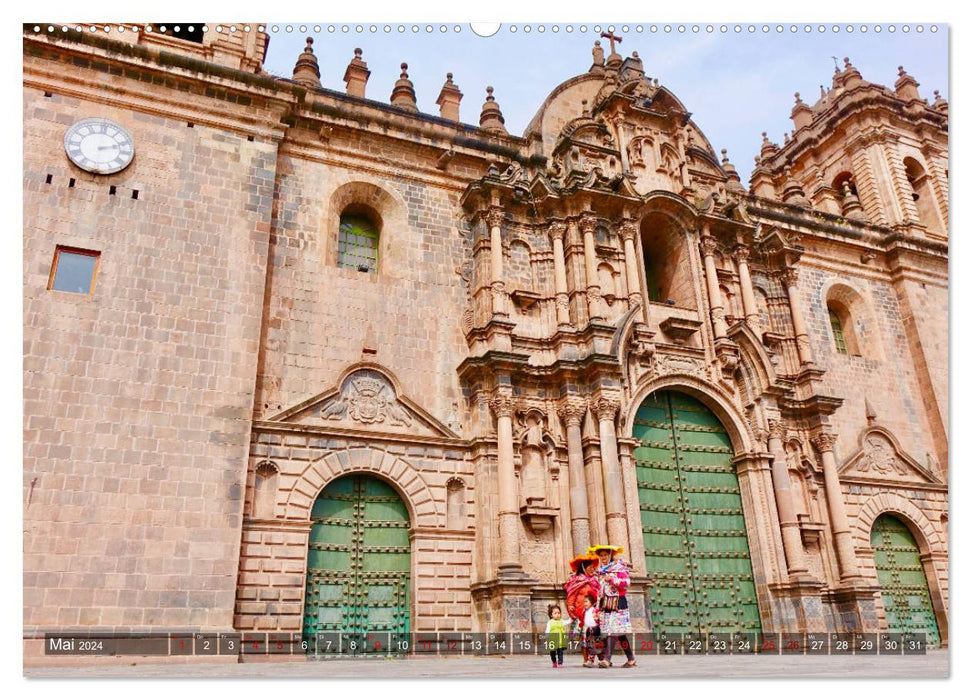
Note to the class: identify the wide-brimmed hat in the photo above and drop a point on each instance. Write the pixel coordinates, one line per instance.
(616, 549)
(580, 561)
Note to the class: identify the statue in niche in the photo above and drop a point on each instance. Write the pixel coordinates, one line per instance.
(534, 460)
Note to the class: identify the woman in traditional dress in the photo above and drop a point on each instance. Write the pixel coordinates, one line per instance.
(584, 582)
(614, 577)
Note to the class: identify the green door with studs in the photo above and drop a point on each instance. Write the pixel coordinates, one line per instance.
(696, 548)
(903, 585)
(358, 562)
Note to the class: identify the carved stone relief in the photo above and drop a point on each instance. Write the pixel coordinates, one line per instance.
(366, 397)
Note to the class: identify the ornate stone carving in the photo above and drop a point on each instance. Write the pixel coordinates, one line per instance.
(557, 228)
(708, 245)
(741, 253)
(879, 456)
(605, 407)
(572, 411)
(587, 222)
(366, 398)
(495, 216)
(790, 277)
(502, 404)
(678, 364)
(824, 442)
(628, 228)
(778, 429)
(758, 432)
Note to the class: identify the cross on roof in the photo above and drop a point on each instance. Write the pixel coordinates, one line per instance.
(612, 37)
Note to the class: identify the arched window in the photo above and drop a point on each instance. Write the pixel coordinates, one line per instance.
(844, 178)
(842, 324)
(922, 194)
(666, 261)
(357, 243)
(837, 325)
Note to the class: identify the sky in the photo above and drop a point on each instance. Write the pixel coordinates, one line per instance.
(737, 85)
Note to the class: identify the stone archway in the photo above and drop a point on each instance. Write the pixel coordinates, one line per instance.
(302, 493)
(932, 553)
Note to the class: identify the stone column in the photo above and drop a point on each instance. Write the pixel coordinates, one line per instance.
(628, 232)
(791, 278)
(708, 246)
(791, 538)
(572, 413)
(749, 308)
(502, 406)
(494, 217)
(606, 410)
(642, 277)
(588, 223)
(845, 552)
(557, 232)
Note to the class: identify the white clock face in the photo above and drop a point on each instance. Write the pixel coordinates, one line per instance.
(99, 146)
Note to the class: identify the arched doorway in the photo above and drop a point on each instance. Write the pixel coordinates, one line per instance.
(358, 562)
(695, 544)
(903, 584)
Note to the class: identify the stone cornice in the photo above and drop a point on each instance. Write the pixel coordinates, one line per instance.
(263, 426)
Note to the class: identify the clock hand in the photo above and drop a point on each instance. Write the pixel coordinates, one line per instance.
(105, 148)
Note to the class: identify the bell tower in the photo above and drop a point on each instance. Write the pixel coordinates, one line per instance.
(865, 152)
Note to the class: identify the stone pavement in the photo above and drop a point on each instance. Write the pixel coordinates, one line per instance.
(935, 664)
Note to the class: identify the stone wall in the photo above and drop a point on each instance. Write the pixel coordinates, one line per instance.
(137, 397)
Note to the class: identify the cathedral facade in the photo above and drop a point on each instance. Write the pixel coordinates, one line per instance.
(304, 360)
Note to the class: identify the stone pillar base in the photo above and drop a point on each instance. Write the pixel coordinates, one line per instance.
(854, 607)
(798, 607)
(504, 604)
(639, 602)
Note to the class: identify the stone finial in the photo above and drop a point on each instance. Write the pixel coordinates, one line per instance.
(403, 94)
(906, 86)
(871, 414)
(802, 114)
(769, 149)
(306, 71)
(491, 119)
(851, 207)
(356, 75)
(850, 75)
(632, 68)
(734, 183)
(448, 99)
(940, 104)
(792, 192)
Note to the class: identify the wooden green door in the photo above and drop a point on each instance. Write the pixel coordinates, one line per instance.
(359, 561)
(695, 544)
(903, 585)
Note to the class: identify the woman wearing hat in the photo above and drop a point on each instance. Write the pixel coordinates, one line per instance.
(583, 583)
(614, 577)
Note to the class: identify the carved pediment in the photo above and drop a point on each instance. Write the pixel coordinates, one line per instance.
(880, 458)
(366, 397)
